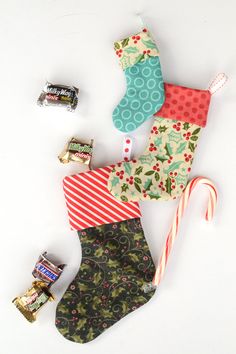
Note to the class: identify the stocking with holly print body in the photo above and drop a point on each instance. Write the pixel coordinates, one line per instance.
(161, 172)
(116, 262)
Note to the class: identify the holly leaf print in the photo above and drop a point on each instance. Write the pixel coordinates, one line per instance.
(194, 138)
(115, 181)
(146, 159)
(81, 310)
(139, 58)
(138, 237)
(123, 228)
(149, 44)
(117, 291)
(191, 147)
(98, 252)
(148, 184)
(113, 264)
(81, 323)
(84, 266)
(90, 334)
(115, 277)
(196, 131)
(96, 302)
(154, 195)
(83, 287)
(97, 277)
(186, 126)
(181, 179)
(162, 129)
(138, 170)
(168, 185)
(124, 187)
(161, 158)
(106, 313)
(157, 176)
(127, 167)
(124, 198)
(133, 257)
(158, 141)
(173, 166)
(149, 173)
(125, 42)
(168, 149)
(125, 307)
(181, 148)
(137, 180)
(116, 45)
(140, 299)
(174, 136)
(137, 187)
(131, 50)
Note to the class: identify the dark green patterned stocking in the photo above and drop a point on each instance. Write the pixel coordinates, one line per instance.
(116, 264)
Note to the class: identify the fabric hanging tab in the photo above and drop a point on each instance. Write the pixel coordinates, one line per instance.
(217, 83)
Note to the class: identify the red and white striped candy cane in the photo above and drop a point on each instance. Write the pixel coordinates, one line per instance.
(178, 215)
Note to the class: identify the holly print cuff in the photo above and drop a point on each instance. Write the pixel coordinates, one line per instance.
(135, 48)
(185, 104)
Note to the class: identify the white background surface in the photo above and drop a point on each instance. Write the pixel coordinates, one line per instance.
(71, 42)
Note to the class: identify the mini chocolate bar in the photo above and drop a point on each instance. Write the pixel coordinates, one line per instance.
(34, 298)
(59, 95)
(46, 271)
(77, 151)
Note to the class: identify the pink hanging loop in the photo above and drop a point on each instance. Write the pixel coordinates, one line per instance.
(218, 82)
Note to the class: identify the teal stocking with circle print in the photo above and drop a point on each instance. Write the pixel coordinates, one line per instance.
(139, 58)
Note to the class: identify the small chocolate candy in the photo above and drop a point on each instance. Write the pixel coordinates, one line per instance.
(77, 151)
(59, 95)
(33, 299)
(46, 271)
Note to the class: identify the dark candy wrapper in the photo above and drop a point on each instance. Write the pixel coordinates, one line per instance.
(59, 95)
(33, 299)
(46, 271)
(77, 151)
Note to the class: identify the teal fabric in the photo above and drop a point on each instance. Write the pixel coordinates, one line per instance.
(144, 95)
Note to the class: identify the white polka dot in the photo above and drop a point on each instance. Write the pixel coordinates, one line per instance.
(143, 94)
(131, 92)
(124, 102)
(146, 72)
(153, 61)
(126, 114)
(134, 70)
(130, 126)
(155, 96)
(139, 117)
(139, 82)
(147, 107)
(151, 84)
(157, 73)
(118, 123)
(135, 104)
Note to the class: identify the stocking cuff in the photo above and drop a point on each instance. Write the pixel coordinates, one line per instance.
(185, 104)
(135, 48)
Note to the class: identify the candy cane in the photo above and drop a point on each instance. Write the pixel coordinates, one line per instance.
(178, 215)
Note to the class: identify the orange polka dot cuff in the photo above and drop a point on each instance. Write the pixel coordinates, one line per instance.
(185, 104)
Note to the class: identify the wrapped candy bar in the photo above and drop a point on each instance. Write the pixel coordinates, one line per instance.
(47, 271)
(77, 151)
(59, 95)
(33, 299)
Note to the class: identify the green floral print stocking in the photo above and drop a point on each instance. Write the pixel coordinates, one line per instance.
(139, 59)
(161, 172)
(116, 265)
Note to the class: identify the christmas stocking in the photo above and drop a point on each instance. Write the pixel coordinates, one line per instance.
(139, 58)
(116, 265)
(161, 172)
